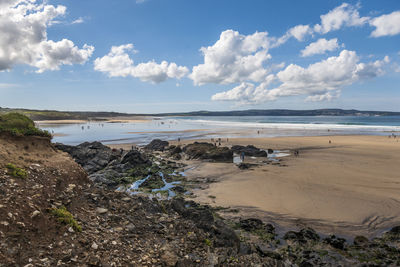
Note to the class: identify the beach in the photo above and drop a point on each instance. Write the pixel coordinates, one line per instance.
(350, 186)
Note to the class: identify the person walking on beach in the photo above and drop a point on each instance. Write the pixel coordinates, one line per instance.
(242, 156)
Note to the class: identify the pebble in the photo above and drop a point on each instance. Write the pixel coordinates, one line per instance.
(35, 213)
(95, 246)
(101, 210)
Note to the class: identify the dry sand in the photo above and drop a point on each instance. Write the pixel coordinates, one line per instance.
(351, 186)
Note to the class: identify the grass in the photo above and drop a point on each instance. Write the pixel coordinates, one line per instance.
(64, 216)
(15, 171)
(18, 124)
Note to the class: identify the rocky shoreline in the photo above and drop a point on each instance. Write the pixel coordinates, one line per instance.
(146, 226)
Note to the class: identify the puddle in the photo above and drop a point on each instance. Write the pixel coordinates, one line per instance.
(237, 159)
(278, 154)
(167, 186)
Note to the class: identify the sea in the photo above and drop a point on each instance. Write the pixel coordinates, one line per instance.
(207, 127)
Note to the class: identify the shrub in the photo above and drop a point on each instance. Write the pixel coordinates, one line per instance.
(64, 216)
(15, 171)
(20, 125)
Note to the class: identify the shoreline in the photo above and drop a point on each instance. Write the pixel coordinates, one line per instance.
(348, 187)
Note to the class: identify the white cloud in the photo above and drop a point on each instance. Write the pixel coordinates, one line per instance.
(78, 21)
(343, 15)
(319, 81)
(300, 31)
(117, 63)
(386, 25)
(234, 58)
(320, 47)
(23, 31)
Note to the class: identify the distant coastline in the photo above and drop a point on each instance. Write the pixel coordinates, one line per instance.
(39, 115)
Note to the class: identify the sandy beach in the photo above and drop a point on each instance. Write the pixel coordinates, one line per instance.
(349, 186)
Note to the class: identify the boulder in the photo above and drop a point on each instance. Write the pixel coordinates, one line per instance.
(335, 242)
(304, 235)
(249, 151)
(92, 156)
(207, 151)
(157, 145)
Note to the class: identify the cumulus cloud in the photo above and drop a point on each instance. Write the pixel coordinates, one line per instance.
(117, 63)
(343, 15)
(234, 58)
(300, 32)
(386, 25)
(319, 81)
(23, 31)
(320, 47)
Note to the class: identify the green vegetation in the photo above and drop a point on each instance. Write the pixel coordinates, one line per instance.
(64, 216)
(15, 171)
(19, 125)
(208, 242)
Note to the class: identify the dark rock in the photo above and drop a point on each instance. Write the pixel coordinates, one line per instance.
(304, 235)
(134, 158)
(265, 251)
(360, 241)
(202, 216)
(335, 242)
(245, 248)
(157, 145)
(179, 189)
(306, 264)
(270, 151)
(175, 150)
(245, 166)
(208, 151)
(91, 156)
(251, 224)
(249, 151)
(225, 236)
(395, 230)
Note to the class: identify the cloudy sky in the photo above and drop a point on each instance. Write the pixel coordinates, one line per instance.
(180, 55)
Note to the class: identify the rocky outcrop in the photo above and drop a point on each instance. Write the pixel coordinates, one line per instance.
(156, 145)
(92, 156)
(249, 151)
(207, 151)
(105, 165)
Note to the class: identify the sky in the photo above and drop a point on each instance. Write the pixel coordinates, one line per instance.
(151, 56)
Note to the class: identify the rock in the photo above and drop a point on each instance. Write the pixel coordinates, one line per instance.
(35, 214)
(101, 210)
(360, 241)
(208, 151)
(168, 256)
(304, 235)
(265, 251)
(179, 189)
(95, 246)
(395, 230)
(249, 150)
(245, 166)
(244, 248)
(335, 242)
(91, 156)
(253, 224)
(135, 158)
(157, 145)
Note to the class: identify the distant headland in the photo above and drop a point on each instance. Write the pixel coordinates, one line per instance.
(85, 115)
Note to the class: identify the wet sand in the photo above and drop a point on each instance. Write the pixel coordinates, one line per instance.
(349, 186)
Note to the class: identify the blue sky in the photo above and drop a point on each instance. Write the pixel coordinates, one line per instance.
(171, 56)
